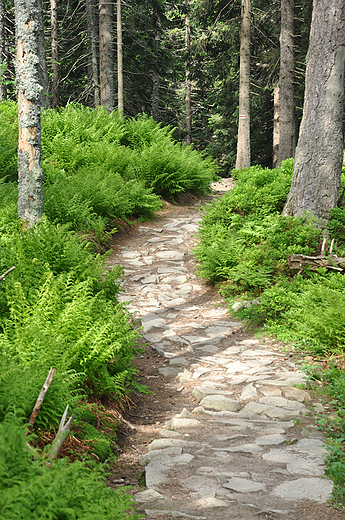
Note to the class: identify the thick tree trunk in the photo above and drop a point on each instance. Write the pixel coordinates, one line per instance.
(30, 198)
(120, 106)
(243, 139)
(94, 78)
(188, 85)
(2, 50)
(106, 55)
(319, 153)
(55, 52)
(286, 83)
(44, 80)
(275, 127)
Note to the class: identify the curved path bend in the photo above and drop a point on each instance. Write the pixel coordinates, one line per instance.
(244, 445)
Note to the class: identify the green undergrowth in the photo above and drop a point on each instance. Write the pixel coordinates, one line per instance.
(99, 168)
(244, 246)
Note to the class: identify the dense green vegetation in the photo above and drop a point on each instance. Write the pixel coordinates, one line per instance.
(58, 309)
(245, 242)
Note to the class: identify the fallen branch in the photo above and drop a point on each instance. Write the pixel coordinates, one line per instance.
(315, 262)
(3, 276)
(40, 400)
(60, 436)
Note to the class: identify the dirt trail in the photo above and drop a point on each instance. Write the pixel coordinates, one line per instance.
(225, 434)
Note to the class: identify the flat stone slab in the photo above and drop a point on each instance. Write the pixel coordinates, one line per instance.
(296, 394)
(283, 403)
(248, 392)
(154, 323)
(196, 339)
(179, 361)
(316, 489)
(242, 485)
(254, 449)
(147, 496)
(200, 371)
(314, 446)
(203, 391)
(170, 255)
(168, 371)
(219, 402)
(270, 440)
(156, 474)
(177, 423)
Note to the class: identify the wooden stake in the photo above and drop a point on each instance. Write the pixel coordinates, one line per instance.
(40, 399)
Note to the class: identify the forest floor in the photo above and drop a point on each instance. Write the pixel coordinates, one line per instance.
(227, 430)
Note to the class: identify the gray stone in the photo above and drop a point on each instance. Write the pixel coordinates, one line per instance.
(257, 353)
(219, 402)
(270, 440)
(147, 496)
(180, 422)
(201, 485)
(160, 444)
(184, 376)
(169, 434)
(211, 502)
(167, 270)
(175, 279)
(168, 371)
(156, 474)
(318, 407)
(314, 446)
(254, 449)
(283, 403)
(236, 366)
(249, 342)
(149, 279)
(170, 255)
(316, 489)
(153, 323)
(217, 332)
(305, 467)
(248, 392)
(230, 351)
(196, 339)
(242, 485)
(296, 394)
(179, 361)
(131, 254)
(203, 391)
(270, 391)
(145, 458)
(200, 371)
(190, 227)
(154, 338)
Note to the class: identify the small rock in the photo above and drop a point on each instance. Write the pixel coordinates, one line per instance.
(147, 496)
(248, 392)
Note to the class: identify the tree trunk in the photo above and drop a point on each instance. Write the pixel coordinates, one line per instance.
(155, 96)
(44, 81)
(3, 92)
(55, 52)
(243, 139)
(188, 85)
(106, 55)
(319, 153)
(119, 59)
(275, 127)
(286, 83)
(93, 52)
(30, 197)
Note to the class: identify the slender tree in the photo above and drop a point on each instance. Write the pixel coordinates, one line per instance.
(275, 127)
(106, 55)
(243, 139)
(286, 147)
(2, 50)
(155, 90)
(120, 105)
(188, 83)
(30, 198)
(93, 52)
(319, 153)
(55, 52)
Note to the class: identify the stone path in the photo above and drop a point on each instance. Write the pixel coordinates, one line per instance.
(236, 454)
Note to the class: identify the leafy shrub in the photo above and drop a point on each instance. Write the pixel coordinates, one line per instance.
(62, 324)
(29, 489)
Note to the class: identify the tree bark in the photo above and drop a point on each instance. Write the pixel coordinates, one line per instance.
(243, 139)
(30, 197)
(55, 52)
(319, 154)
(106, 55)
(188, 85)
(3, 92)
(120, 106)
(275, 127)
(60, 436)
(93, 52)
(44, 81)
(286, 83)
